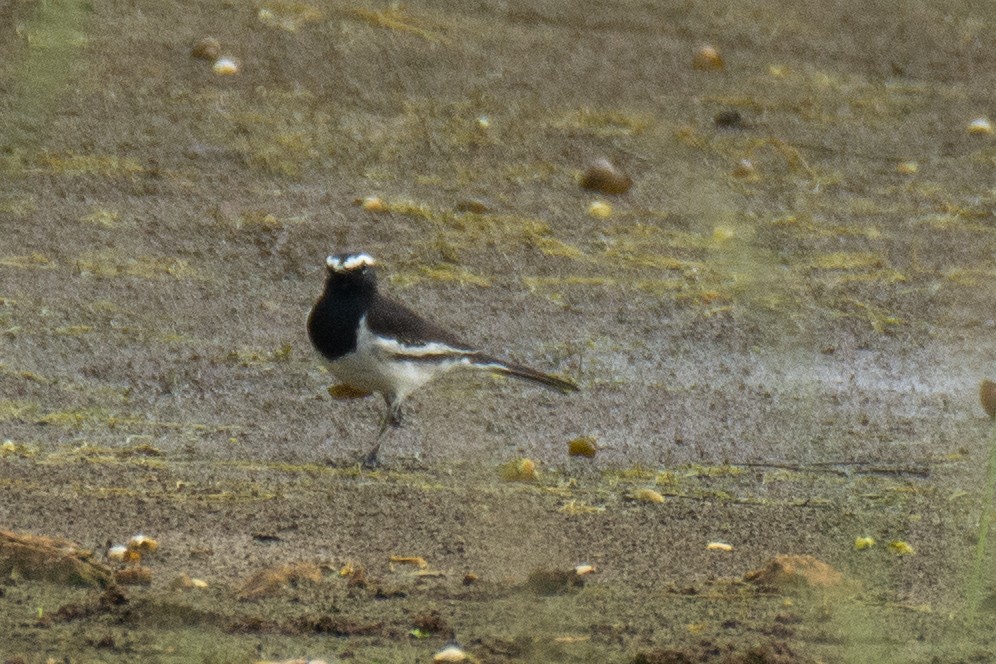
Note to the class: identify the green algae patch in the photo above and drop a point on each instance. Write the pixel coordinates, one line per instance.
(73, 164)
(33, 261)
(441, 272)
(109, 264)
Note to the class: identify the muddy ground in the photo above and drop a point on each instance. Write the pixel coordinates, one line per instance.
(788, 349)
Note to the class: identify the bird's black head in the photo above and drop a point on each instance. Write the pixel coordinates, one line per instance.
(351, 272)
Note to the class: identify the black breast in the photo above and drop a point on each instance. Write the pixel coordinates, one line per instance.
(334, 319)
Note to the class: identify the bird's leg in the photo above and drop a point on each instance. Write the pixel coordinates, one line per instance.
(394, 414)
(392, 418)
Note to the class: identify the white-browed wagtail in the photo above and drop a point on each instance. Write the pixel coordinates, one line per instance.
(375, 344)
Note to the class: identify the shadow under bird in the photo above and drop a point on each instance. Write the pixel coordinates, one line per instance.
(375, 344)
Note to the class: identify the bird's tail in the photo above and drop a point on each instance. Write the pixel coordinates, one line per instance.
(524, 373)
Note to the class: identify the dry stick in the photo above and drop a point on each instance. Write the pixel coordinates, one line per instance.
(975, 582)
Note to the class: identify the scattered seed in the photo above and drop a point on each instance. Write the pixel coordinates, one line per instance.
(862, 543)
(719, 546)
(907, 167)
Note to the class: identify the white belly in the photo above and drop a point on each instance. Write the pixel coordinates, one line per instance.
(375, 365)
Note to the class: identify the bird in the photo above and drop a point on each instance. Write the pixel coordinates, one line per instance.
(374, 344)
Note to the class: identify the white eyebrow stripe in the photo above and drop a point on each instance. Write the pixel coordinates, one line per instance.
(350, 263)
(359, 260)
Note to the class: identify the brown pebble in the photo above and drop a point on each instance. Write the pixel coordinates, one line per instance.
(987, 394)
(708, 58)
(729, 120)
(474, 205)
(208, 48)
(585, 446)
(604, 177)
(745, 170)
(519, 470)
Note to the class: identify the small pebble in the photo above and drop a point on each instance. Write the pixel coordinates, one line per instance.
(604, 177)
(980, 126)
(474, 205)
(584, 446)
(708, 58)
(600, 210)
(208, 48)
(225, 66)
(745, 170)
(729, 120)
(142, 544)
(519, 470)
(647, 496)
(373, 204)
(901, 548)
(136, 575)
(450, 654)
(118, 553)
(987, 395)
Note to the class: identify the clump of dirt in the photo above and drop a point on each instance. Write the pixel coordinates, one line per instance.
(795, 571)
(49, 559)
(769, 653)
(271, 580)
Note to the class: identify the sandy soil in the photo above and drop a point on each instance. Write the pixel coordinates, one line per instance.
(788, 349)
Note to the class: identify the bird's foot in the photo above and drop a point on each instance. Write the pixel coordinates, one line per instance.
(369, 460)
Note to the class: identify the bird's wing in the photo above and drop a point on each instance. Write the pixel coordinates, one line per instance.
(393, 320)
